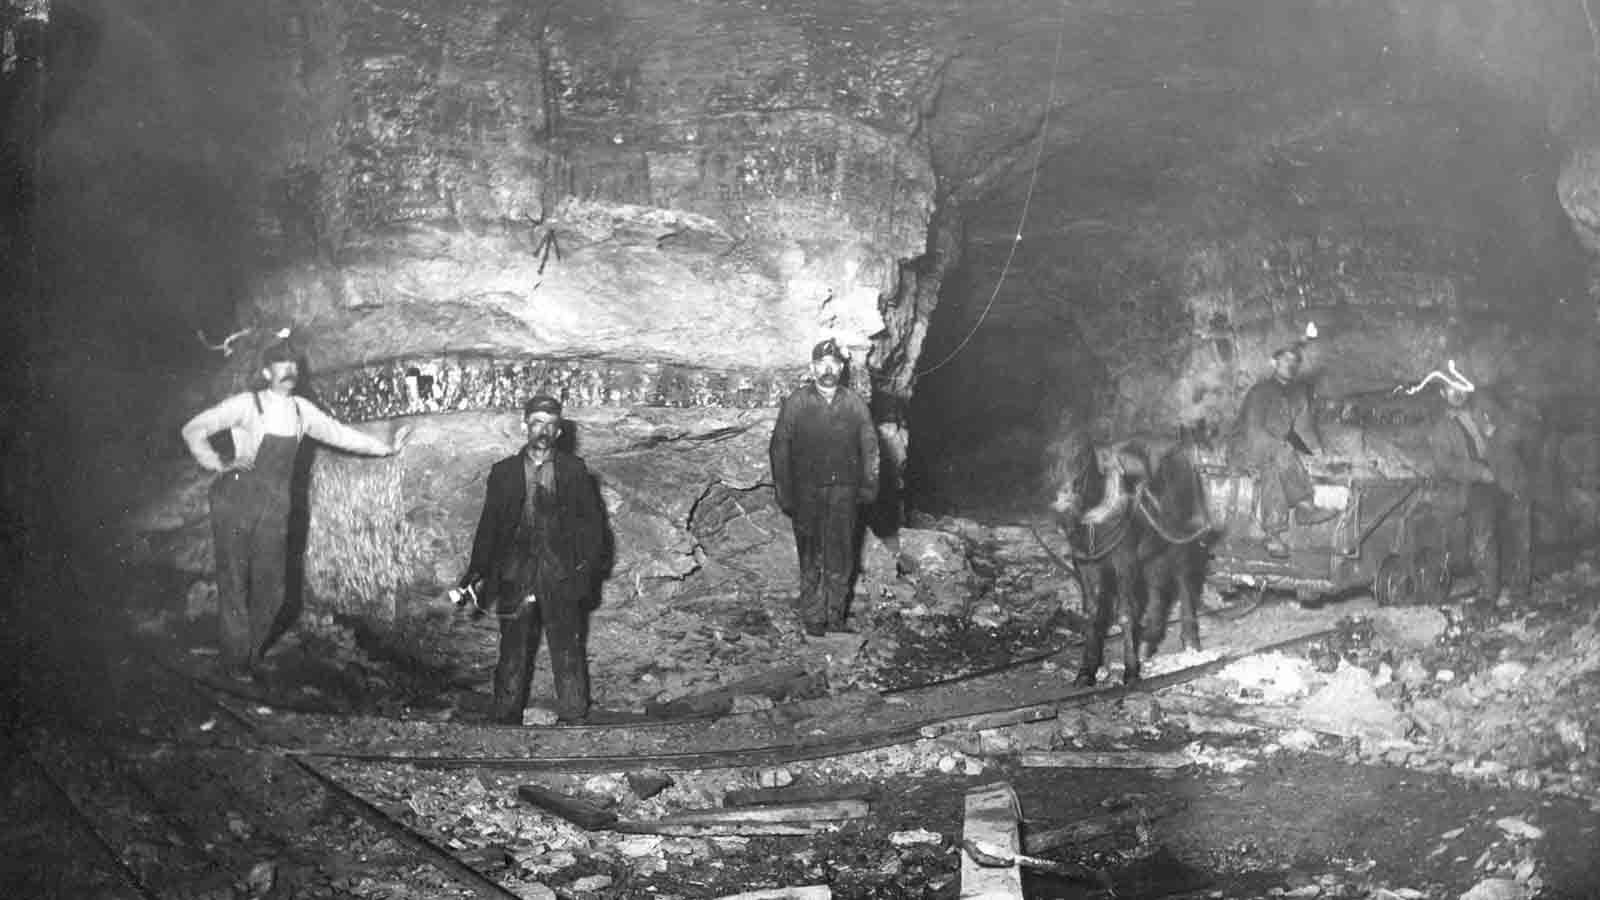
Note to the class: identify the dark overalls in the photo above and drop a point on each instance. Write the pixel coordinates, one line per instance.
(250, 531)
(556, 610)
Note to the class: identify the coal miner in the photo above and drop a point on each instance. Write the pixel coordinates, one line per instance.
(1275, 426)
(824, 453)
(1479, 440)
(250, 499)
(537, 554)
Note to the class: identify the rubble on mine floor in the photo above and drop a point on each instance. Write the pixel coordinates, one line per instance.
(1500, 702)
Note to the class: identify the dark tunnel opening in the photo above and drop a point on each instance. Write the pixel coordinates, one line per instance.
(1134, 302)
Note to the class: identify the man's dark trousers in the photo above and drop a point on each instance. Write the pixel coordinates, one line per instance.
(559, 615)
(825, 537)
(1501, 525)
(250, 536)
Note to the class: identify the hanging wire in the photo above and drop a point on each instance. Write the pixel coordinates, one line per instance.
(1027, 199)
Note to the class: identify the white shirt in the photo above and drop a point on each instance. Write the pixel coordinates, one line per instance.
(289, 416)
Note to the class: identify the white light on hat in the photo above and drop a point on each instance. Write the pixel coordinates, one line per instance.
(1311, 331)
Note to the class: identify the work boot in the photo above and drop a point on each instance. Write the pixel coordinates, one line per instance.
(1307, 514)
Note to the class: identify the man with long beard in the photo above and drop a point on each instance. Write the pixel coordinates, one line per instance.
(250, 498)
(538, 552)
(824, 454)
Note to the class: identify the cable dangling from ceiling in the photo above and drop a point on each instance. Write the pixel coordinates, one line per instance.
(1027, 200)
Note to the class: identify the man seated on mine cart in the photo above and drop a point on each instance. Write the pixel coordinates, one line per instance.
(1276, 424)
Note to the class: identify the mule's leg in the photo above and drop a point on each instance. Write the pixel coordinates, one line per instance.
(1094, 594)
(1188, 586)
(1130, 617)
(1158, 599)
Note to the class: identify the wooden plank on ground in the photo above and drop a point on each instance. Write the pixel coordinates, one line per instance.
(821, 811)
(782, 683)
(578, 811)
(725, 829)
(801, 793)
(1104, 759)
(1099, 826)
(992, 816)
(809, 892)
(984, 721)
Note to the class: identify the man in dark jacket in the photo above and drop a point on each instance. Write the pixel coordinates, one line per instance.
(824, 453)
(1480, 441)
(536, 555)
(1276, 424)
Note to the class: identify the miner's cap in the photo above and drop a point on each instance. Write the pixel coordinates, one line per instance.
(541, 403)
(280, 351)
(1297, 348)
(829, 347)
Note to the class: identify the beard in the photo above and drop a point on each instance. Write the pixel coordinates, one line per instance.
(827, 379)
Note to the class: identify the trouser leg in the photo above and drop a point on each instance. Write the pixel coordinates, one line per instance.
(519, 641)
(564, 634)
(808, 547)
(1483, 520)
(269, 572)
(1272, 508)
(230, 537)
(838, 555)
(1517, 546)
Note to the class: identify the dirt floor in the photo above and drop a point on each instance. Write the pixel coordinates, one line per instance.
(1412, 754)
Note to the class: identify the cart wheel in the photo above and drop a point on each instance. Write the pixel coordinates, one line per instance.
(1397, 581)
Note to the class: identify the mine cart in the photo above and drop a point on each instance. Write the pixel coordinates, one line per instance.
(1400, 533)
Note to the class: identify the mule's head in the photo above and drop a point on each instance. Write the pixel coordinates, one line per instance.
(1072, 477)
(1123, 467)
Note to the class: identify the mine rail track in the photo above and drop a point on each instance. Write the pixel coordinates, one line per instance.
(249, 769)
(171, 816)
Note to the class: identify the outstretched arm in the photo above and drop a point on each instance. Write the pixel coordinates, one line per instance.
(334, 433)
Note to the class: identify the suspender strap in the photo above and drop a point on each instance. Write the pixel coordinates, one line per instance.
(299, 417)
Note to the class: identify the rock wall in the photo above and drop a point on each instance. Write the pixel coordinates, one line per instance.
(652, 210)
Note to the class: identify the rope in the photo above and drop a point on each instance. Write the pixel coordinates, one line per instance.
(1027, 200)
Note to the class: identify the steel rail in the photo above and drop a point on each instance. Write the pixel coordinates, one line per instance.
(478, 883)
(82, 823)
(776, 754)
(441, 859)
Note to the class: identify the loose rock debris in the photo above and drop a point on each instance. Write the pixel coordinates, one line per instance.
(1503, 700)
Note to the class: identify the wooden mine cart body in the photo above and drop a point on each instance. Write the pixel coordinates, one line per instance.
(1402, 538)
(1402, 532)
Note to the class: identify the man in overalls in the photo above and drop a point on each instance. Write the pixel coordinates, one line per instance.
(250, 497)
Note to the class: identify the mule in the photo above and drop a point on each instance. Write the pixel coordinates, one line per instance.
(1138, 536)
